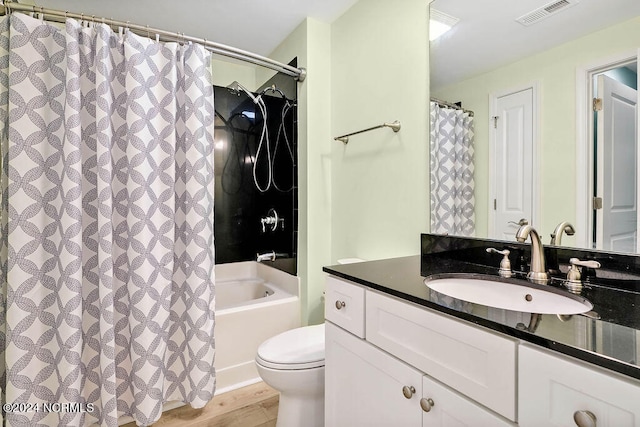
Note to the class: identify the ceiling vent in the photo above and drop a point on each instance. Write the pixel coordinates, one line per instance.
(546, 11)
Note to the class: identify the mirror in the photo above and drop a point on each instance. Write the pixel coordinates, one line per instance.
(488, 53)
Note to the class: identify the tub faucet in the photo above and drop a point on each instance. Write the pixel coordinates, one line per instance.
(538, 272)
(556, 236)
(269, 256)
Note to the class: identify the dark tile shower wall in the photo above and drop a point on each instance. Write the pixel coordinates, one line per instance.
(239, 206)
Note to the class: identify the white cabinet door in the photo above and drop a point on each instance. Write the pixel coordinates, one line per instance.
(364, 386)
(553, 388)
(447, 408)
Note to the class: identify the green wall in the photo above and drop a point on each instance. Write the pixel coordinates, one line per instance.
(380, 179)
(367, 199)
(311, 44)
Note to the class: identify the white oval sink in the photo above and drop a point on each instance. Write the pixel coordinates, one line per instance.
(510, 296)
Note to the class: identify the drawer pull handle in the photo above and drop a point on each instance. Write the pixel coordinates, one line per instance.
(408, 391)
(585, 419)
(426, 404)
(340, 304)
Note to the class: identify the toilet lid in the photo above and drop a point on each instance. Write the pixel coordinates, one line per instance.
(300, 348)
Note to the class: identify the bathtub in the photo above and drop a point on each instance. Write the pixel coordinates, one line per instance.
(253, 302)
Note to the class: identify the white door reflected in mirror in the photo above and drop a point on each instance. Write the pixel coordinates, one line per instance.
(617, 160)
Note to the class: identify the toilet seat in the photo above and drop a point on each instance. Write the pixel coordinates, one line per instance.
(300, 348)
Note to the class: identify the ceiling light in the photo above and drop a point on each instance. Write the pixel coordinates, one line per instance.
(440, 23)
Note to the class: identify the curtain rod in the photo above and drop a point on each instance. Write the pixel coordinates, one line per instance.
(144, 30)
(451, 105)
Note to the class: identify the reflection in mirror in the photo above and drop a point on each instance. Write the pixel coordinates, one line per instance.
(540, 151)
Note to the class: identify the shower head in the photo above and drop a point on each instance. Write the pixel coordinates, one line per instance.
(236, 88)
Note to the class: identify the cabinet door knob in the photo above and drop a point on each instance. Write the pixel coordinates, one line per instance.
(408, 391)
(585, 419)
(426, 404)
(340, 304)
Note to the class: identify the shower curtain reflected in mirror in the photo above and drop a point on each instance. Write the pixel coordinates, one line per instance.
(452, 171)
(107, 223)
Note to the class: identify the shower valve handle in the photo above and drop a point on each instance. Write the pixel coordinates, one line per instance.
(273, 220)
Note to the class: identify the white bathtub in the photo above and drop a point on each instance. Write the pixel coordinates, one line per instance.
(253, 302)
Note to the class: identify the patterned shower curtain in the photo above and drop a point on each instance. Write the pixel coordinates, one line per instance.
(107, 225)
(451, 166)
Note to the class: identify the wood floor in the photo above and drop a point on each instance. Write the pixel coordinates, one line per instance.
(252, 406)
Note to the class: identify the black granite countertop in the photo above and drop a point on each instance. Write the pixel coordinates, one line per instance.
(612, 340)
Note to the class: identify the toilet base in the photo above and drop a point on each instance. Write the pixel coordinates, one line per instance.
(301, 395)
(298, 411)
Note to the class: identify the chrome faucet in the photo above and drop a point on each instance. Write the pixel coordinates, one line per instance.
(556, 236)
(538, 272)
(269, 256)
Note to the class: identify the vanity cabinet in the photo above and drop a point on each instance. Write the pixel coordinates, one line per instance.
(387, 378)
(390, 362)
(553, 388)
(473, 361)
(365, 386)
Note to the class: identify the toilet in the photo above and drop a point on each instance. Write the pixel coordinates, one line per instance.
(293, 364)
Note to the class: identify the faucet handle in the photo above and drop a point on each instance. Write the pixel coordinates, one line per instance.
(523, 221)
(505, 264)
(574, 279)
(588, 264)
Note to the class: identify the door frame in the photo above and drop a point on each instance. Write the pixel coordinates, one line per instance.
(493, 105)
(584, 140)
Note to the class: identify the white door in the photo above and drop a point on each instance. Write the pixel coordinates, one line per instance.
(512, 171)
(617, 221)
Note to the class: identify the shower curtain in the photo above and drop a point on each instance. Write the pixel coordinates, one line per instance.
(107, 225)
(451, 166)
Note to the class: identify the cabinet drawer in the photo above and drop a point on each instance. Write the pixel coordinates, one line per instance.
(553, 387)
(344, 305)
(475, 362)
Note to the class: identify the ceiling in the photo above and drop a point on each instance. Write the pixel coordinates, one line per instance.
(254, 25)
(487, 35)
